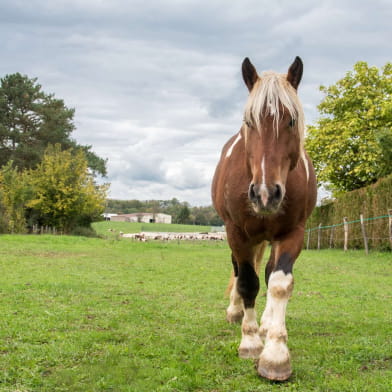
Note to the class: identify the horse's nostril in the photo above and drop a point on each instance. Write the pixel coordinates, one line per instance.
(278, 192)
(252, 193)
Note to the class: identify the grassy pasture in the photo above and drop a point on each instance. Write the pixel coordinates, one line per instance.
(102, 228)
(82, 314)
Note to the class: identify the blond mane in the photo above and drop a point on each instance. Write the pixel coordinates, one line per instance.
(269, 94)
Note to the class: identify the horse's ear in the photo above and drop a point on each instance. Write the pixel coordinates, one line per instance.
(294, 75)
(249, 73)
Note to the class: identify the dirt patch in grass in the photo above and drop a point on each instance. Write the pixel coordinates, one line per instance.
(377, 364)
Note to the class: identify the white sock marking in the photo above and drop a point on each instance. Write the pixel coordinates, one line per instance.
(266, 318)
(251, 344)
(249, 321)
(274, 317)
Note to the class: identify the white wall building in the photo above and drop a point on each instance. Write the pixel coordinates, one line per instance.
(143, 217)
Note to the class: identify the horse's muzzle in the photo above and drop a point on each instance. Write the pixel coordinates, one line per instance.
(266, 199)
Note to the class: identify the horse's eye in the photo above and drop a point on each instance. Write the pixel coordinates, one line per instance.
(292, 123)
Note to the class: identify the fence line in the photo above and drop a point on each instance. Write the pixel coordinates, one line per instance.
(46, 230)
(365, 232)
(354, 221)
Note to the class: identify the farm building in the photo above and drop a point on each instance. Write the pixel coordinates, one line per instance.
(107, 216)
(143, 217)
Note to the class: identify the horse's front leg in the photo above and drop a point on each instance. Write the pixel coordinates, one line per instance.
(248, 287)
(235, 310)
(274, 362)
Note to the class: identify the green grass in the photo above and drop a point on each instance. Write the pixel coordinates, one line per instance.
(110, 229)
(82, 314)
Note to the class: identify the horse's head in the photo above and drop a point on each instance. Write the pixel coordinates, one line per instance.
(273, 131)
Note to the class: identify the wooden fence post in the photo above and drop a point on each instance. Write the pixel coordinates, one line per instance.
(390, 226)
(331, 237)
(308, 241)
(345, 233)
(319, 237)
(365, 240)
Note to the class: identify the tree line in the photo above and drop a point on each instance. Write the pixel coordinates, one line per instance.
(47, 178)
(181, 212)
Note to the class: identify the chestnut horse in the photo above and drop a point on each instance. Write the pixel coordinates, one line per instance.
(264, 189)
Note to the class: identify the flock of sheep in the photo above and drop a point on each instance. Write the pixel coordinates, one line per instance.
(149, 236)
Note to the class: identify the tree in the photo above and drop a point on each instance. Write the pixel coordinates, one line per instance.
(183, 215)
(351, 143)
(65, 195)
(15, 192)
(30, 120)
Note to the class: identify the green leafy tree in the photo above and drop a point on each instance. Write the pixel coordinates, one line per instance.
(65, 194)
(351, 143)
(183, 215)
(30, 120)
(15, 192)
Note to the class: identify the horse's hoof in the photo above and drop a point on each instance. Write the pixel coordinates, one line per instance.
(234, 317)
(274, 371)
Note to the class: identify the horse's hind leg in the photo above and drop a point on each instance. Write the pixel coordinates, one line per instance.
(235, 311)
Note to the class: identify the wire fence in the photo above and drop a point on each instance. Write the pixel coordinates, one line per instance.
(364, 233)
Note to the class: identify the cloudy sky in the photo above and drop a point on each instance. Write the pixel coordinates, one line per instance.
(156, 84)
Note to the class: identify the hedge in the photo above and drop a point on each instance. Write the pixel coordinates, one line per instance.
(373, 201)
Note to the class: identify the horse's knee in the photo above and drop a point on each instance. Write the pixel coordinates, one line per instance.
(280, 285)
(248, 284)
(280, 280)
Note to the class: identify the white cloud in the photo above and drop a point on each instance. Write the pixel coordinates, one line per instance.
(186, 174)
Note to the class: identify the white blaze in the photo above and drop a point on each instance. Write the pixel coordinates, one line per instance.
(263, 170)
(263, 187)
